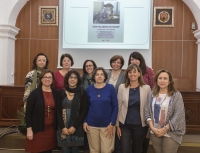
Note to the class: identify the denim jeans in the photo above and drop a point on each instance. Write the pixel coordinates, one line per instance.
(68, 149)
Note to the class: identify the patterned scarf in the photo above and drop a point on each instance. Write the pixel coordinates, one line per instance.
(35, 78)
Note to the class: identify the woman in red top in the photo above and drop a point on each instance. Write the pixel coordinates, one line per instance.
(40, 116)
(147, 73)
(66, 61)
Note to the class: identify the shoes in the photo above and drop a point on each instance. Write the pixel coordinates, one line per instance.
(86, 151)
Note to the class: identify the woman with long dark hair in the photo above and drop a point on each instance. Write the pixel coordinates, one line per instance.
(88, 67)
(72, 109)
(147, 72)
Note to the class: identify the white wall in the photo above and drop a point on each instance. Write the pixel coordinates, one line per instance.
(194, 6)
(9, 10)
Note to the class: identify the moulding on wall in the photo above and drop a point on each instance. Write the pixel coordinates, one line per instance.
(8, 31)
(197, 35)
(194, 6)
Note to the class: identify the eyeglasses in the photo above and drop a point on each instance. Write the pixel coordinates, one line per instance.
(118, 63)
(71, 77)
(45, 77)
(89, 66)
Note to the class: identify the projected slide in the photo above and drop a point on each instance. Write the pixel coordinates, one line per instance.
(106, 26)
(101, 24)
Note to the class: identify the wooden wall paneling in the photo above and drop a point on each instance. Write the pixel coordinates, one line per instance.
(172, 33)
(167, 43)
(22, 65)
(48, 47)
(190, 61)
(23, 22)
(188, 19)
(42, 32)
(166, 55)
(10, 98)
(192, 107)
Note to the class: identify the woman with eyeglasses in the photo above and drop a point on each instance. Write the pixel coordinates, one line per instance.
(116, 77)
(102, 114)
(72, 109)
(40, 62)
(66, 61)
(40, 116)
(88, 67)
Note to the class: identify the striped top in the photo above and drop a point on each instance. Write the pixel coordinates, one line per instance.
(175, 115)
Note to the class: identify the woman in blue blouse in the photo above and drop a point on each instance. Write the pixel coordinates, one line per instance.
(132, 97)
(102, 113)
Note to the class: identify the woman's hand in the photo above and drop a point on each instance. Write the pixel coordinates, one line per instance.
(109, 131)
(161, 132)
(71, 130)
(119, 134)
(85, 127)
(29, 134)
(156, 131)
(65, 131)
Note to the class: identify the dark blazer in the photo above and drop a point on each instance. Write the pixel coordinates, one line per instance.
(120, 79)
(83, 108)
(35, 110)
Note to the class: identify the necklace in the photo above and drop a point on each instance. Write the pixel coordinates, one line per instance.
(98, 91)
(134, 88)
(158, 99)
(112, 76)
(48, 105)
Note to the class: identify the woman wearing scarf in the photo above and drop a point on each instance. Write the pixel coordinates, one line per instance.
(71, 111)
(40, 62)
(88, 67)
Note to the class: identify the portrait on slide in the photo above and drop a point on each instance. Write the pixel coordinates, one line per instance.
(106, 13)
(48, 15)
(163, 17)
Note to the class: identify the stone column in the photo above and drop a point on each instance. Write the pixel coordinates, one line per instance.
(197, 35)
(9, 10)
(7, 53)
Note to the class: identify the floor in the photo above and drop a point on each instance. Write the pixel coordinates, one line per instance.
(190, 143)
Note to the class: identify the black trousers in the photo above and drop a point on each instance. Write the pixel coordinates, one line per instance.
(117, 146)
(145, 145)
(132, 138)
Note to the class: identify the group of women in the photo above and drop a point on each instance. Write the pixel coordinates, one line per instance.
(104, 111)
